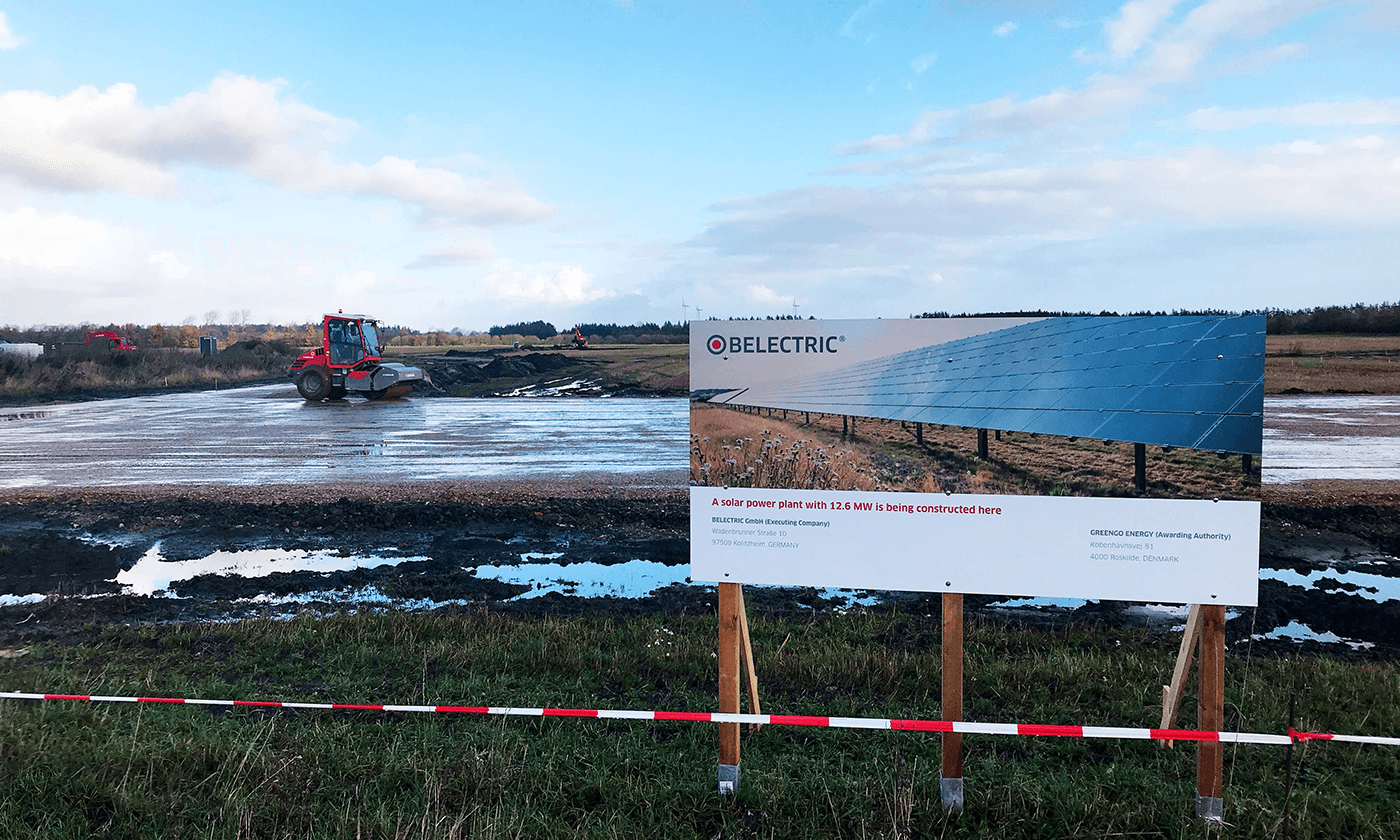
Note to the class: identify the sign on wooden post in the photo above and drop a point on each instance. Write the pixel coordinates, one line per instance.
(775, 503)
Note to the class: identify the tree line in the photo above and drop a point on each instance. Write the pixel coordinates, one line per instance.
(1357, 318)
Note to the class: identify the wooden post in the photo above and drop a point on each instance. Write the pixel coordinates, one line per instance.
(729, 606)
(843, 425)
(1210, 711)
(1247, 463)
(1140, 467)
(982, 444)
(950, 783)
(746, 657)
(919, 433)
(1171, 694)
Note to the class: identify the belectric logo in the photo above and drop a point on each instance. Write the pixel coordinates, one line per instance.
(718, 344)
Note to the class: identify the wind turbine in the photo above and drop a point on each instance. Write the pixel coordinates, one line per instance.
(685, 311)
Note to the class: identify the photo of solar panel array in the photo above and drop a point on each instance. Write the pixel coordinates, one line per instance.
(1184, 381)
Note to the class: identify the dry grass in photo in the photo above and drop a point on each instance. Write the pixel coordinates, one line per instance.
(733, 449)
(885, 455)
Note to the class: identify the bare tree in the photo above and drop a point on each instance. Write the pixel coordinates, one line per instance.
(188, 322)
(239, 317)
(211, 317)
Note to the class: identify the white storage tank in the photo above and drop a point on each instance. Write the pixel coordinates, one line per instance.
(21, 349)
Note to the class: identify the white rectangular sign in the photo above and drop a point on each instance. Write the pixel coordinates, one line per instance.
(1160, 550)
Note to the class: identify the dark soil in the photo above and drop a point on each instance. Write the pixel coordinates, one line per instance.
(71, 546)
(500, 372)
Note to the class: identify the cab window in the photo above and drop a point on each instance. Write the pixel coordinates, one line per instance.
(344, 339)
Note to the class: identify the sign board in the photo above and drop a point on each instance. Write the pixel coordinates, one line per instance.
(780, 495)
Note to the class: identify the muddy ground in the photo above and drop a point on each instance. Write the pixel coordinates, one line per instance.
(70, 545)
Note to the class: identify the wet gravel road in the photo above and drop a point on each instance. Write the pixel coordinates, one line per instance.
(262, 435)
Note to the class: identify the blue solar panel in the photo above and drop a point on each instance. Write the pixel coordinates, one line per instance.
(1186, 381)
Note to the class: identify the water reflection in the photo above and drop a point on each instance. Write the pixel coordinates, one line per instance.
(1331, 437)
(268, 435)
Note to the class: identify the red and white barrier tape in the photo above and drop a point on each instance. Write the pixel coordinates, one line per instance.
(964, 727)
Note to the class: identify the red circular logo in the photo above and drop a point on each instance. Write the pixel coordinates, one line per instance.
(716, 344)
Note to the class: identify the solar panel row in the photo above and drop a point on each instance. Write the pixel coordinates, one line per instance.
(1194, 382)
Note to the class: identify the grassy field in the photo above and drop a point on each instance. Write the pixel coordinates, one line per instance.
(1320, 364)
(83, 770)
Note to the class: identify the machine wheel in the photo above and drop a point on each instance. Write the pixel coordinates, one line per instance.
(393, 392)
(337, 393)
(314, 384)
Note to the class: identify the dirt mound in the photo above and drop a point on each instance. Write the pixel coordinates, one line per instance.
(260, 348)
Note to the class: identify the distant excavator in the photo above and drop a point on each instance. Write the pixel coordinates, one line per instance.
(348, 362)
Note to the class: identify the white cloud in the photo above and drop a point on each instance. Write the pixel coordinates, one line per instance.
(1006, 29)
(8, 39)
(993, 212)
(58, 266)
(38, 240)
(1360, 112)
(465, 252)
(848, 28)
(1136, 22)
(762, 295)
(108, 140)
(553, 284)
(1175, 58)
(923, 62)
(1261, 60)
(170, 265)
(355, 291)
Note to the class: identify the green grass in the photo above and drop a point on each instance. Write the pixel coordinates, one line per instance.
(80, 770)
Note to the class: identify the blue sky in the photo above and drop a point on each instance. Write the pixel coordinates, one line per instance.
(464, 165)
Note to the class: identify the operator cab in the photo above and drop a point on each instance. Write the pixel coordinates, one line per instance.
(351, 339)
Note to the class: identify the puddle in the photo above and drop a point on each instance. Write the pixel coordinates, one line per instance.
(561, 388)
(1296, 631)
(369, 596)
(16, 600)
(153, 574)
(633, 579)
(1371, 587)
(1039, 603)
(1331, 437)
